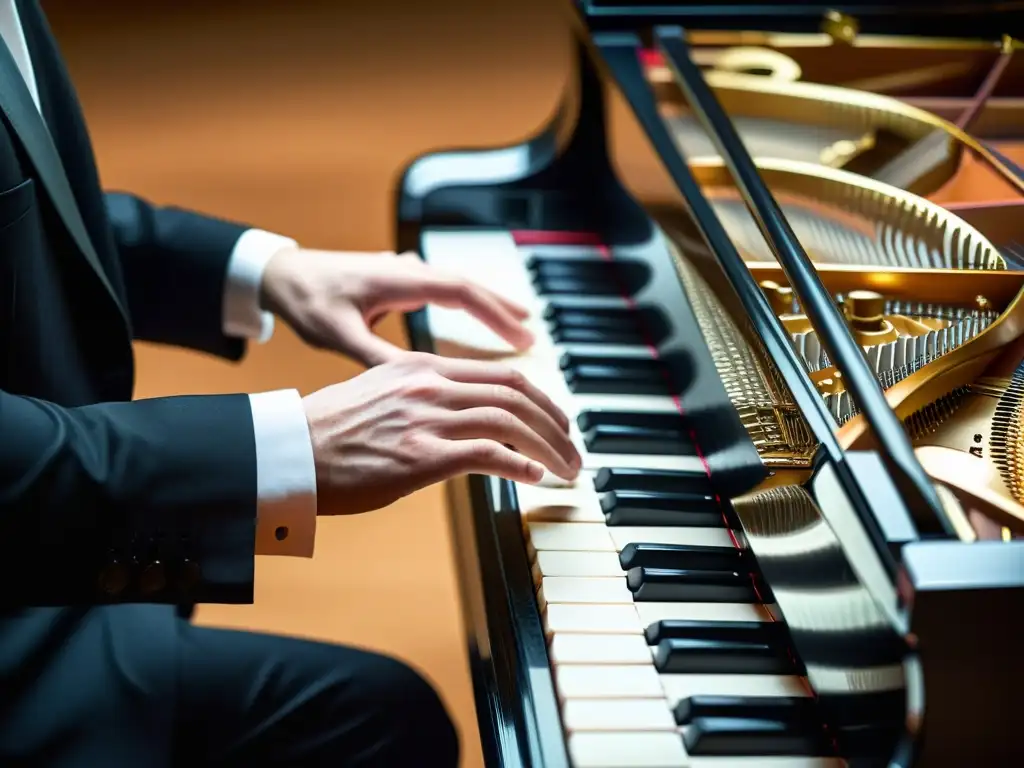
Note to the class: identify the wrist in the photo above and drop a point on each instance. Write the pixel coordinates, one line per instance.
(278, 285)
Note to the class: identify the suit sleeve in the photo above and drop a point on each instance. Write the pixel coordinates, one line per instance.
(175, 265)
(147, 501)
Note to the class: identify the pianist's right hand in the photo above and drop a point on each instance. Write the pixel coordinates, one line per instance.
(421, 419)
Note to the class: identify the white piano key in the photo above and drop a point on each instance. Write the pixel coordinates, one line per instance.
(651, 613)
(568, 648)
(631, 403)
(572, 589)
(534, 497)
(571, 537)
(596, 461)
(565, 513)
(593, 619)
(554, 563)
(617, 715)
(608, 681)
(627, 750)
(703, 537)
(678, 687)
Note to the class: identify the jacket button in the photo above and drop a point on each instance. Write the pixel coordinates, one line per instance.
(189, 575)
(153, 578)
(114, 578)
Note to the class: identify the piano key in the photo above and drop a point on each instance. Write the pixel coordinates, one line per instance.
(658, 555)
(750, 656)
(678, 686)
(726, 630)
(652, 481)
(627, 750)
(636, 618)
(595, 537)
(623, 536)
(624, 277)
(769, 707)
(595, 325)
(682, 586)
(553, 563)
(570, 537)
(593, 619)
(683, 554)
(571, 648)
(617, 715)
(572, 589)
(647, 508)
(594, 374)
(651, 613)
(728, 737)
(631, 433)
(608, 681)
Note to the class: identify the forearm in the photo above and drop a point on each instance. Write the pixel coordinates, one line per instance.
(175, 266)
(90, 494)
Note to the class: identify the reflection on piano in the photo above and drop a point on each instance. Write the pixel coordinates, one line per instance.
(772, 255)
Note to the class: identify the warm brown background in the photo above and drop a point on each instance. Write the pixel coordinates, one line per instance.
(298, 116)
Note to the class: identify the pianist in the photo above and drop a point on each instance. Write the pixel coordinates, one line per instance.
(112, 512)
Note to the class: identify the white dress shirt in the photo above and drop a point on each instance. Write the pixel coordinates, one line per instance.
(285, 473)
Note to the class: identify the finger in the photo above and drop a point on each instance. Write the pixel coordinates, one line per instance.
(486, 457)
(486, 306)
(465, 396)
(507, 429)
(482, 372)
(360, 342)
(515, 309)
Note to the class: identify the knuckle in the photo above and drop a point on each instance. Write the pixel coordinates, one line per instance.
(487, 452)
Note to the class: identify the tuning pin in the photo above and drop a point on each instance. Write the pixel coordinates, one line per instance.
(982, 304)
(865, 310)
(780, 297)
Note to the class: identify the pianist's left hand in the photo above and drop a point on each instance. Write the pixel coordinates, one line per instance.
(332, 299)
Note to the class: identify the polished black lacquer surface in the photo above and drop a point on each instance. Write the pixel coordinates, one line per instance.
(841, 557)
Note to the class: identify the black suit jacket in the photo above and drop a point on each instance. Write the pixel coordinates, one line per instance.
(103, 500)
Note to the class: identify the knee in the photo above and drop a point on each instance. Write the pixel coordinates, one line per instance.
(421, 730)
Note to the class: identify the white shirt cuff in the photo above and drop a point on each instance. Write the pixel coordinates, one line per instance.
(285, 475)
(242, 316)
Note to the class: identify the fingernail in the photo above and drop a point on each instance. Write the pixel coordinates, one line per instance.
(535, 471)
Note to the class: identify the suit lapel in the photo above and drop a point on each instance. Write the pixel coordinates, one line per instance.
(26, 123)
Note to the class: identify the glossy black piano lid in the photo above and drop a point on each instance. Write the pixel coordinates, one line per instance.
(985, 19)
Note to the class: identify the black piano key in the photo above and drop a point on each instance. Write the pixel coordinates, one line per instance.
(651, 481)
(619, 277)
(662, 585)
(639, 508)
(593, 374)
(635, 433)
(766, 631)
(752, 656)
(606, 325)
(802, 709)
(682, 556)
(761, 737)
(574, 286)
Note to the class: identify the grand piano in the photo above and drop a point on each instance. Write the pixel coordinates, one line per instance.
(773, 255)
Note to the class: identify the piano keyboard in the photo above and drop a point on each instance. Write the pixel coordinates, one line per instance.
(662, 639)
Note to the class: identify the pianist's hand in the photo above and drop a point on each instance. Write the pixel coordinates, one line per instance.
(333, 299)
(420, 419)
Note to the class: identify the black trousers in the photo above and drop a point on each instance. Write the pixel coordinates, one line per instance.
(139, 686)
(248, 699)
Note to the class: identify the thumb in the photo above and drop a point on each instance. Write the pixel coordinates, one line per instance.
(367, 347)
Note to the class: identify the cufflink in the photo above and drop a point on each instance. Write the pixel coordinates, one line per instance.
(153, 578)
(113, 578)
